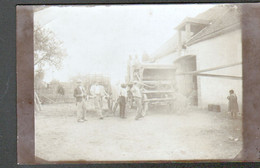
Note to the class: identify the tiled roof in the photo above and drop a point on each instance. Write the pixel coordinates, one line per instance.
(212, 13)
(221, 17)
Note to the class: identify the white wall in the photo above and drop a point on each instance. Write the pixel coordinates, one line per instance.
(167, 59)
(222, 50)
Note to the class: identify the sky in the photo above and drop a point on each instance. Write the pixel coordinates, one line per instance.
(99, 39)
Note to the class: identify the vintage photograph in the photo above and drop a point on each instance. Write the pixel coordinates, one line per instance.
(137, 82)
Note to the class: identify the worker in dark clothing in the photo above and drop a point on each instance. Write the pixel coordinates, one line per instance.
(122, 100)
(130, 97)
(80, 95)
(232, 104)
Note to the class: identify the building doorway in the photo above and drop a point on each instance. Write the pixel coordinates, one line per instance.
(187, 84)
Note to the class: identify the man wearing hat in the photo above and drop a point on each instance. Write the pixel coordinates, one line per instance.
(80, 95)
(98, 92)
(130, 97)
(122, 100)
(115, 89)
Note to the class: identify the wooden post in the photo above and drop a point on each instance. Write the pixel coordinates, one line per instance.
(38, 102)
(187, 31)
(209, 69)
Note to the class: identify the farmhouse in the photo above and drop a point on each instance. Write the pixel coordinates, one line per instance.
(207, 52)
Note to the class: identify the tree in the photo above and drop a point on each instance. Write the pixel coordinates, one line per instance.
(47, 49)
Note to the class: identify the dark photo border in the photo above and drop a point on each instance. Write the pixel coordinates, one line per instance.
(16, 88)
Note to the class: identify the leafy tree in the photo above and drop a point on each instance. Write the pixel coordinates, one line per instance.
(47, 48)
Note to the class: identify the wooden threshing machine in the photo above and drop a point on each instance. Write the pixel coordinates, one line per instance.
(157, 81)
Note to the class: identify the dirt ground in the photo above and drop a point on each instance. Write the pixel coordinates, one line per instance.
(161, 135)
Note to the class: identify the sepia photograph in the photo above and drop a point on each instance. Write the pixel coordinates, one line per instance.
(137, 82)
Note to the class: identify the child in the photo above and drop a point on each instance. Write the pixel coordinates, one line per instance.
(232, 104)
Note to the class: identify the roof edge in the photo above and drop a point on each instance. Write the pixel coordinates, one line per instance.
(192, 20)
(215, 33)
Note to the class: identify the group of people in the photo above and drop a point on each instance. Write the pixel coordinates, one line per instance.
(127, 93)
(117, 97)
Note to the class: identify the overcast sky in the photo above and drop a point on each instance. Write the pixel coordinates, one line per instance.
(99, 39)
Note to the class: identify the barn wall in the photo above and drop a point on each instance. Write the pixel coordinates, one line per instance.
(169, 59)
(222, 50)
(185, 83)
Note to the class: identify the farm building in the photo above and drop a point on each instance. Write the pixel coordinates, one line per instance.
(209, 47)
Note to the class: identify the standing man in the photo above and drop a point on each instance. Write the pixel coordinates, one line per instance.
(115, 89)
(232, 104)
(129, 95)
(109, 98)
(122, 100)
(138, 99)
(80, 95)
(98, 92)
